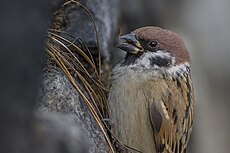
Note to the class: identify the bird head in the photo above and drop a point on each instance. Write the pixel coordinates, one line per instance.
(154, 47)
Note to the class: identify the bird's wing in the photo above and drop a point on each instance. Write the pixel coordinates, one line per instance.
(172, 116)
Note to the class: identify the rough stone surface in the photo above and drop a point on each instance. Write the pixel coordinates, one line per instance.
(58, 95)
(57, 133)
(23, 32)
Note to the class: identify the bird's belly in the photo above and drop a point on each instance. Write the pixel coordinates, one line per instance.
(129, 109)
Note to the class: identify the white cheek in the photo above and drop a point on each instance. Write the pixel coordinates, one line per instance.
(144, 62)
(143, 65)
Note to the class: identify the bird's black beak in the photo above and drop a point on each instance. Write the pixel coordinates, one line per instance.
(130, 44)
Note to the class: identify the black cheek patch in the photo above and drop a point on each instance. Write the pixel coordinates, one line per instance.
(161, 62)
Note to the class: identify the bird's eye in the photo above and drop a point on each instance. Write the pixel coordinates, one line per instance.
(153, 43)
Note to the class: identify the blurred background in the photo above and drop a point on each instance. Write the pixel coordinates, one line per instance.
(204, 25)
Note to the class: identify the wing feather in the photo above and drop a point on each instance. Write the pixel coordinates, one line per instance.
(172, 116)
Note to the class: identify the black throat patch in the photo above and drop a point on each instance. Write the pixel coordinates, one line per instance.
(130, 59)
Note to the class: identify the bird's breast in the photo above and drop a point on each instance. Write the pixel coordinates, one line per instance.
(129, 100)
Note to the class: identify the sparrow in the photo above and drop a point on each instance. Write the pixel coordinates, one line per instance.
(151, 96)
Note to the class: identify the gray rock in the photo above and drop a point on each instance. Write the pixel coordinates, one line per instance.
(23, 32)
(58, 133)
(58, 95)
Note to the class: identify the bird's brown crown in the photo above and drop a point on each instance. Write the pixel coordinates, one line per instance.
(167, 40)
